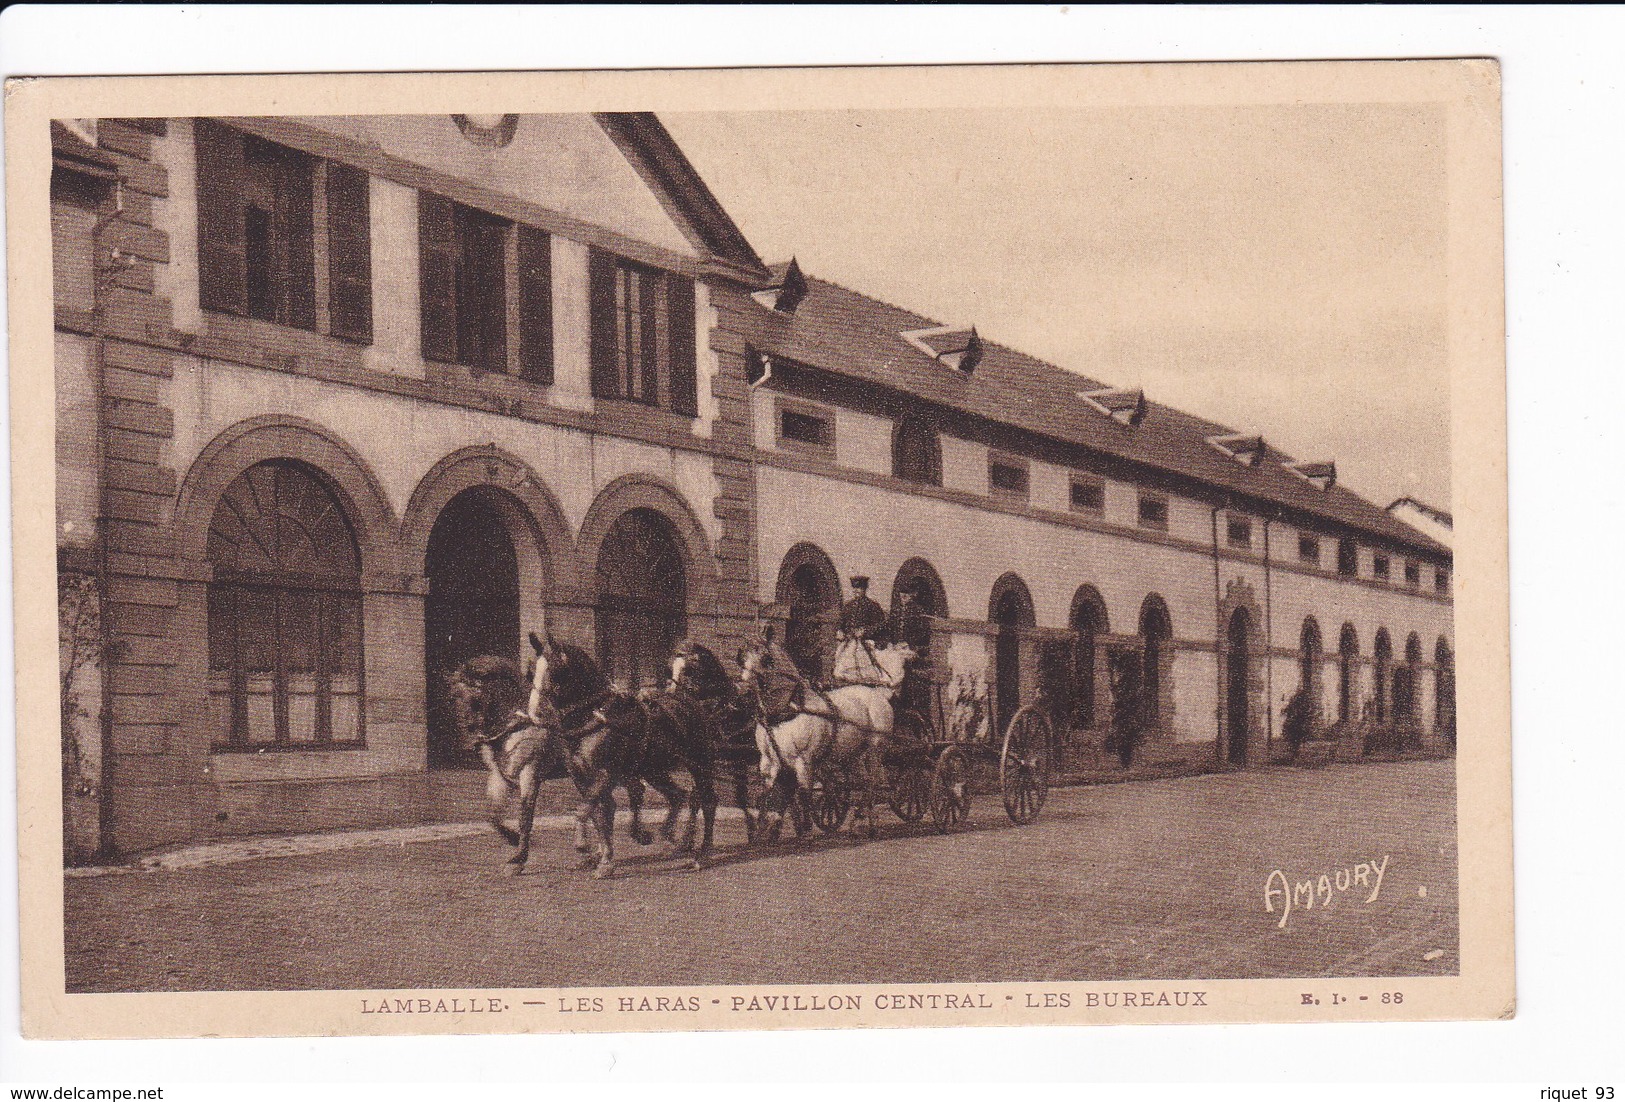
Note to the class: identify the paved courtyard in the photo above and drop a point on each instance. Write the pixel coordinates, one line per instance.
(1151, 880)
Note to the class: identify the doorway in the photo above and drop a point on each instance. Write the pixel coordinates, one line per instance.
(1238, 676)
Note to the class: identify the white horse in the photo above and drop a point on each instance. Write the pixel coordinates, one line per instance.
(802, 732)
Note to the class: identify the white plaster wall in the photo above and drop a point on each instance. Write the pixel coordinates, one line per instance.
(572, 327)
(400, 439)
(863, 441)
(1049, 487)
(565, 163)
(964, 464)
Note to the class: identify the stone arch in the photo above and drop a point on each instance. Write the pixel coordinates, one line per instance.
(1088, 620)
(923, 577)
(1348, 674)
(1156, 629)
(531, 511)
(1382, 663)
(333, 462)
(1010, 611)
(1241, 677)
(641, 500)
(809, 591)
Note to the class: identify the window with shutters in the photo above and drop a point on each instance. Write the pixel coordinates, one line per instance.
(263, 210)
(477, 271)
(643, 335)
(916, 453)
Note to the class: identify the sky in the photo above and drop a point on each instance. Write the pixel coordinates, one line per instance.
(1277, 268)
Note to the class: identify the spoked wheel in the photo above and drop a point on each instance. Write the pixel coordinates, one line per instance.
(831, 800)
(1024, 765)
(950, 790)
(910, 769)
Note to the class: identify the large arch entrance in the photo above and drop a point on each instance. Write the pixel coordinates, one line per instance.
(1238, 675)
(810, 590)
(1157, 637)
(1089, 621)
(472, 607)
(642, 597)
(1011, 611)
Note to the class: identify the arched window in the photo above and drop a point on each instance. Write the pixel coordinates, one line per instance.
(1348, 658)
(916, 454)
(642, 598)
(1382, 662)
(1156, 634)
(921, 577)
(1238, 686)
(1407, 680)
(284, 613)
(810, 589)
(1088, 622)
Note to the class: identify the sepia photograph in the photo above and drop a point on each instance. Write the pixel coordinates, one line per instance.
(951, 547)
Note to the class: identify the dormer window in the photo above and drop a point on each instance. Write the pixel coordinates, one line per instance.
(785, 295)
(952, 346)
(1246, 450)
(1126, 407)
(1321, 474)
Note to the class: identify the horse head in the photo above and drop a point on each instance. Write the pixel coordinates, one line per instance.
(893, 662)
(564, 674)
(481, 693)
(695, 668)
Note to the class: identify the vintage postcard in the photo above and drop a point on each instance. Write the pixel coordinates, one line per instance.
(760, 549)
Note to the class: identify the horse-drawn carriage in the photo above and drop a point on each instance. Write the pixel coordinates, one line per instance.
(826, 751)
(944, 744)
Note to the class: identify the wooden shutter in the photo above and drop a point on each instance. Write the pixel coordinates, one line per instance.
(601, 305)
(482, 302)
(535, 306)
(680, 330)
(222, 250)
(297, 177)
(649, 297)
(349, 253)
(438, 255)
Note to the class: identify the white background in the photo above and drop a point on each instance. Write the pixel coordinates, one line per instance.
(1564, 128)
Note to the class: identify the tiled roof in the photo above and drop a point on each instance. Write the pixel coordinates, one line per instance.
(847, 333)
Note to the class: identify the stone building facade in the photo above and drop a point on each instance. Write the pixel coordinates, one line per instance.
(342, 401)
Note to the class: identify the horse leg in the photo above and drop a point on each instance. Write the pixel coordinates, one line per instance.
(528, 786)
(803, 796)
(634, 799)
(497, 788)
(676, 797)
(742, 798)
(606, 848)
(705, 791)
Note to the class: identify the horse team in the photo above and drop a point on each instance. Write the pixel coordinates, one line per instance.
(567, 719)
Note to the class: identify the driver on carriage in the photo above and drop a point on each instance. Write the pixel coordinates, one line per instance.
(910, 624)
(862, 627)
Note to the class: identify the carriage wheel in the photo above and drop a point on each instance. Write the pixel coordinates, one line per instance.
(950, 789)
(911, 791)
(1024, 765)
(831, 800)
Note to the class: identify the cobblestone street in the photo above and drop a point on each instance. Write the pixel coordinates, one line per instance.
(1154, 880)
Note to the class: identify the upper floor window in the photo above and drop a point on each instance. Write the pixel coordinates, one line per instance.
(478, 272)
(1379, 566)
(1309, 549)
(263, 210)
(806, 428)
(916, 454)
(1348, 558)
(1413, 573)
(1007, 477)
(1154, 512)
(1088, 494)
(643, 341)
(1441, 579)
(1238, 532)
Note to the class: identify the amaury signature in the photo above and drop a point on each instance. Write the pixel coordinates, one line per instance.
(1287, 895)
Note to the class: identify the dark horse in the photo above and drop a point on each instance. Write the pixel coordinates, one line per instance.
(617, 740)
(696, 670)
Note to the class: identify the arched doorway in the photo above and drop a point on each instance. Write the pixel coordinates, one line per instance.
(472, 608)
(810, 589)
(1407, 686)
(1156, 634)
(1382, 658)
(284, 613)
(1444, 691)
(1011, 611)
(642, 597)
(1238, 678)
(1348, 659)
(1089, 621)
(1309, 659)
